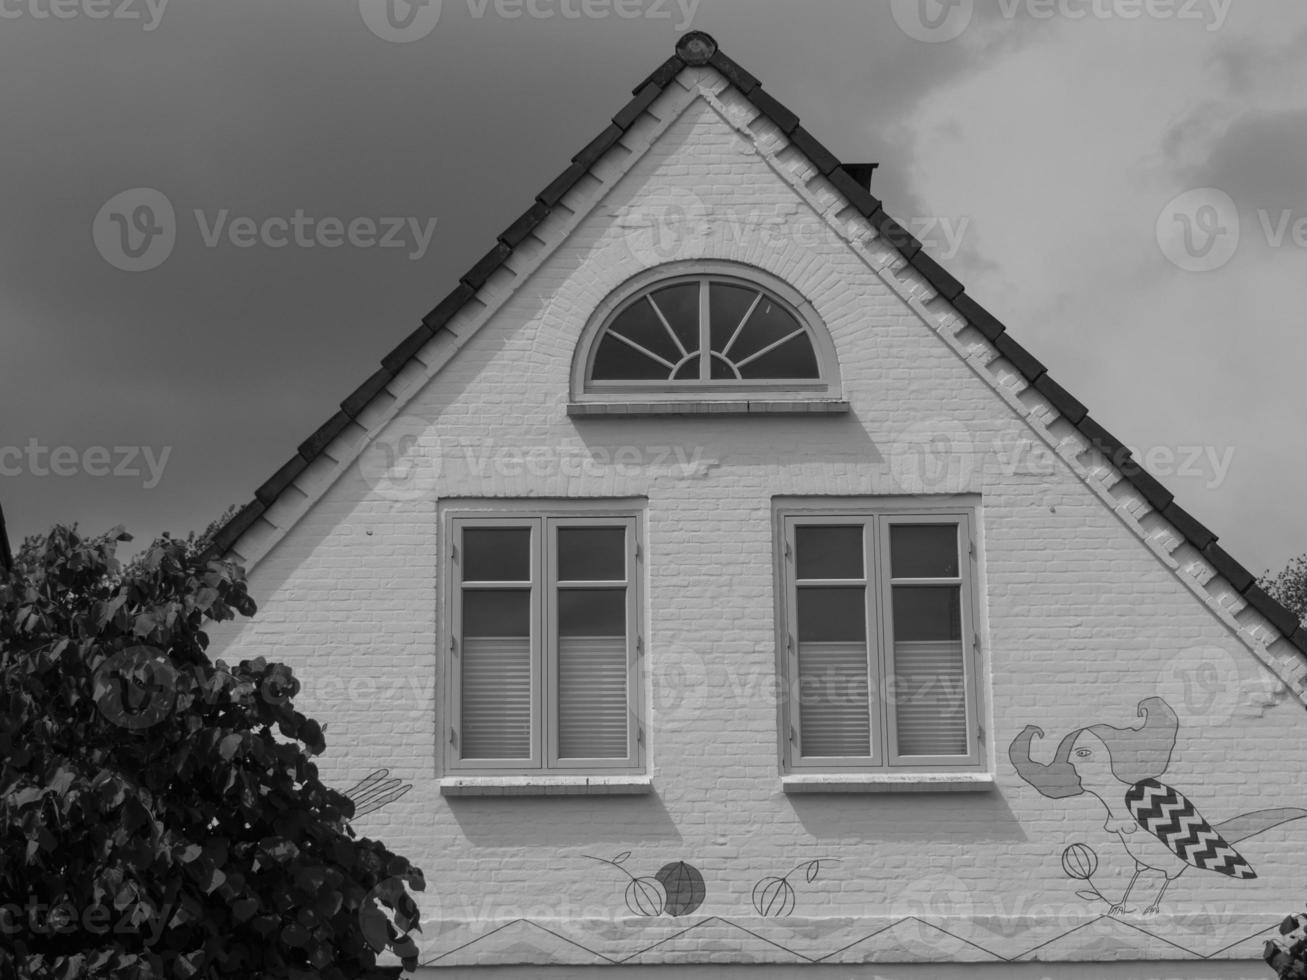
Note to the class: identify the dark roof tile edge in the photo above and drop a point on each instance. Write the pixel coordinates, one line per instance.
(362, 395)
(280, 480)
(230, 533)
(1281, 618)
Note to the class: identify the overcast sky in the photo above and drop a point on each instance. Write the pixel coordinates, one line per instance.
(1039, 147)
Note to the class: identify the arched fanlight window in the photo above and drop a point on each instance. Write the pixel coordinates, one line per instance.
(705, 330)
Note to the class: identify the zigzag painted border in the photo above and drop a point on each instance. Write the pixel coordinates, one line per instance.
(919, 933)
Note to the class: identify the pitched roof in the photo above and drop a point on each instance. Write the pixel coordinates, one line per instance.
(697, 50)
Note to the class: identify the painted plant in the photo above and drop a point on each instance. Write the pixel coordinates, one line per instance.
(676, 889)
(1158, 826)
(774, 895)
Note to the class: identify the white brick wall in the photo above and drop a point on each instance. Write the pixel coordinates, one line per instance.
(1081, 618)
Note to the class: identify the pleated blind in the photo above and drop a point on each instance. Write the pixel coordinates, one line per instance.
(496, 697)
(592, 702)
(834, 703)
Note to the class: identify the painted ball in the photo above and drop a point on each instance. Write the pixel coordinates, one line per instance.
(684, 887)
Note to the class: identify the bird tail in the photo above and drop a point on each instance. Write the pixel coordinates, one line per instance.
(1258, 821)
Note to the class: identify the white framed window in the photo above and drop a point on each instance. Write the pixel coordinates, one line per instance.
(705, 331)
(878, 637)
(543, 641)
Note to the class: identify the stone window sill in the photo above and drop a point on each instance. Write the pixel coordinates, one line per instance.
(890, 782)
(625, 409)
(545, 785)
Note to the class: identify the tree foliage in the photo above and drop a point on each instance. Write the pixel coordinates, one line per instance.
(1289, 587)
(159, 812)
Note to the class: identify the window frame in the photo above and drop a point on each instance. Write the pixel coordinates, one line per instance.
(585, 389)
(544, 523)
(876, 516)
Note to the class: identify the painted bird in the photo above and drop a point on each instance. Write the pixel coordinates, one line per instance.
(1157, 824)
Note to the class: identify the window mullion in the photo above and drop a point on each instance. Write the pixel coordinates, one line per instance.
(542, 646)
(882, 664)
(705, 333)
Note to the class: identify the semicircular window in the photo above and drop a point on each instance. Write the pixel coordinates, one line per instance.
(705, 329)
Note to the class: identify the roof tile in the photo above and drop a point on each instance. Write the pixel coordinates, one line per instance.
(861, 198)
(449, 306)
(823, 159)
(1282, 619)
(1229, 569)
(1070, 408)
(979, 317)
(895, 234)
(786, 121)
(936, 275)
(1158, 497)
(1024, 361)
(518, 232)
(486, 266)
(280, 480)
(312, 447)
(230, 533)
(561, 184)
(407, 349)
(663, 75)
(364, 393)
(600, 145)
(636, 108)
(1194, 532)
(736, 75)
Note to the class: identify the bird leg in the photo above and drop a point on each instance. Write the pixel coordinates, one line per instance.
(1119, 907)
(1157, 900)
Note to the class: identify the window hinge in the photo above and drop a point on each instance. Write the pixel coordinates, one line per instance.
(453, 645)
(639, 734)
(971, 549)
(788, 552)
(789, 643)
(980, 732)
(794, 736)
(453, 553)
(453, 738)
(639, 646)
(638, 552)
(975, 638)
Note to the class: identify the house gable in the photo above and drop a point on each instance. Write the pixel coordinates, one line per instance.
(701, 73)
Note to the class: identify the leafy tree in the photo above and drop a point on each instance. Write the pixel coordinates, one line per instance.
(1289, 586)
(152, 822)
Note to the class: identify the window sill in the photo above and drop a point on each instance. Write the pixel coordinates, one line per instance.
(779, 406)
(907, 782)
(546, 786)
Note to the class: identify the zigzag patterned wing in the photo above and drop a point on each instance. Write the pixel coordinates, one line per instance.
(1169, 816)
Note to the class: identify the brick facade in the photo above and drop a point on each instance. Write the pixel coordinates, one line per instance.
(1090, 602)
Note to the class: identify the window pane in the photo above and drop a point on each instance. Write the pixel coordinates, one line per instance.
(680, 305)
(592, 612)
(497, 554)
(616, 361)
(592, 705)
(834, 702)
(828, 552)
(495, 673)
(927, 612)
(592, 698)
(924, 550)
(591, 554)
(930, 697)
(727, 305)
(793, 359)
(498, 612)
(832, 614)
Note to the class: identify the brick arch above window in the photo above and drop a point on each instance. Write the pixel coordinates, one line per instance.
(706, 336)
